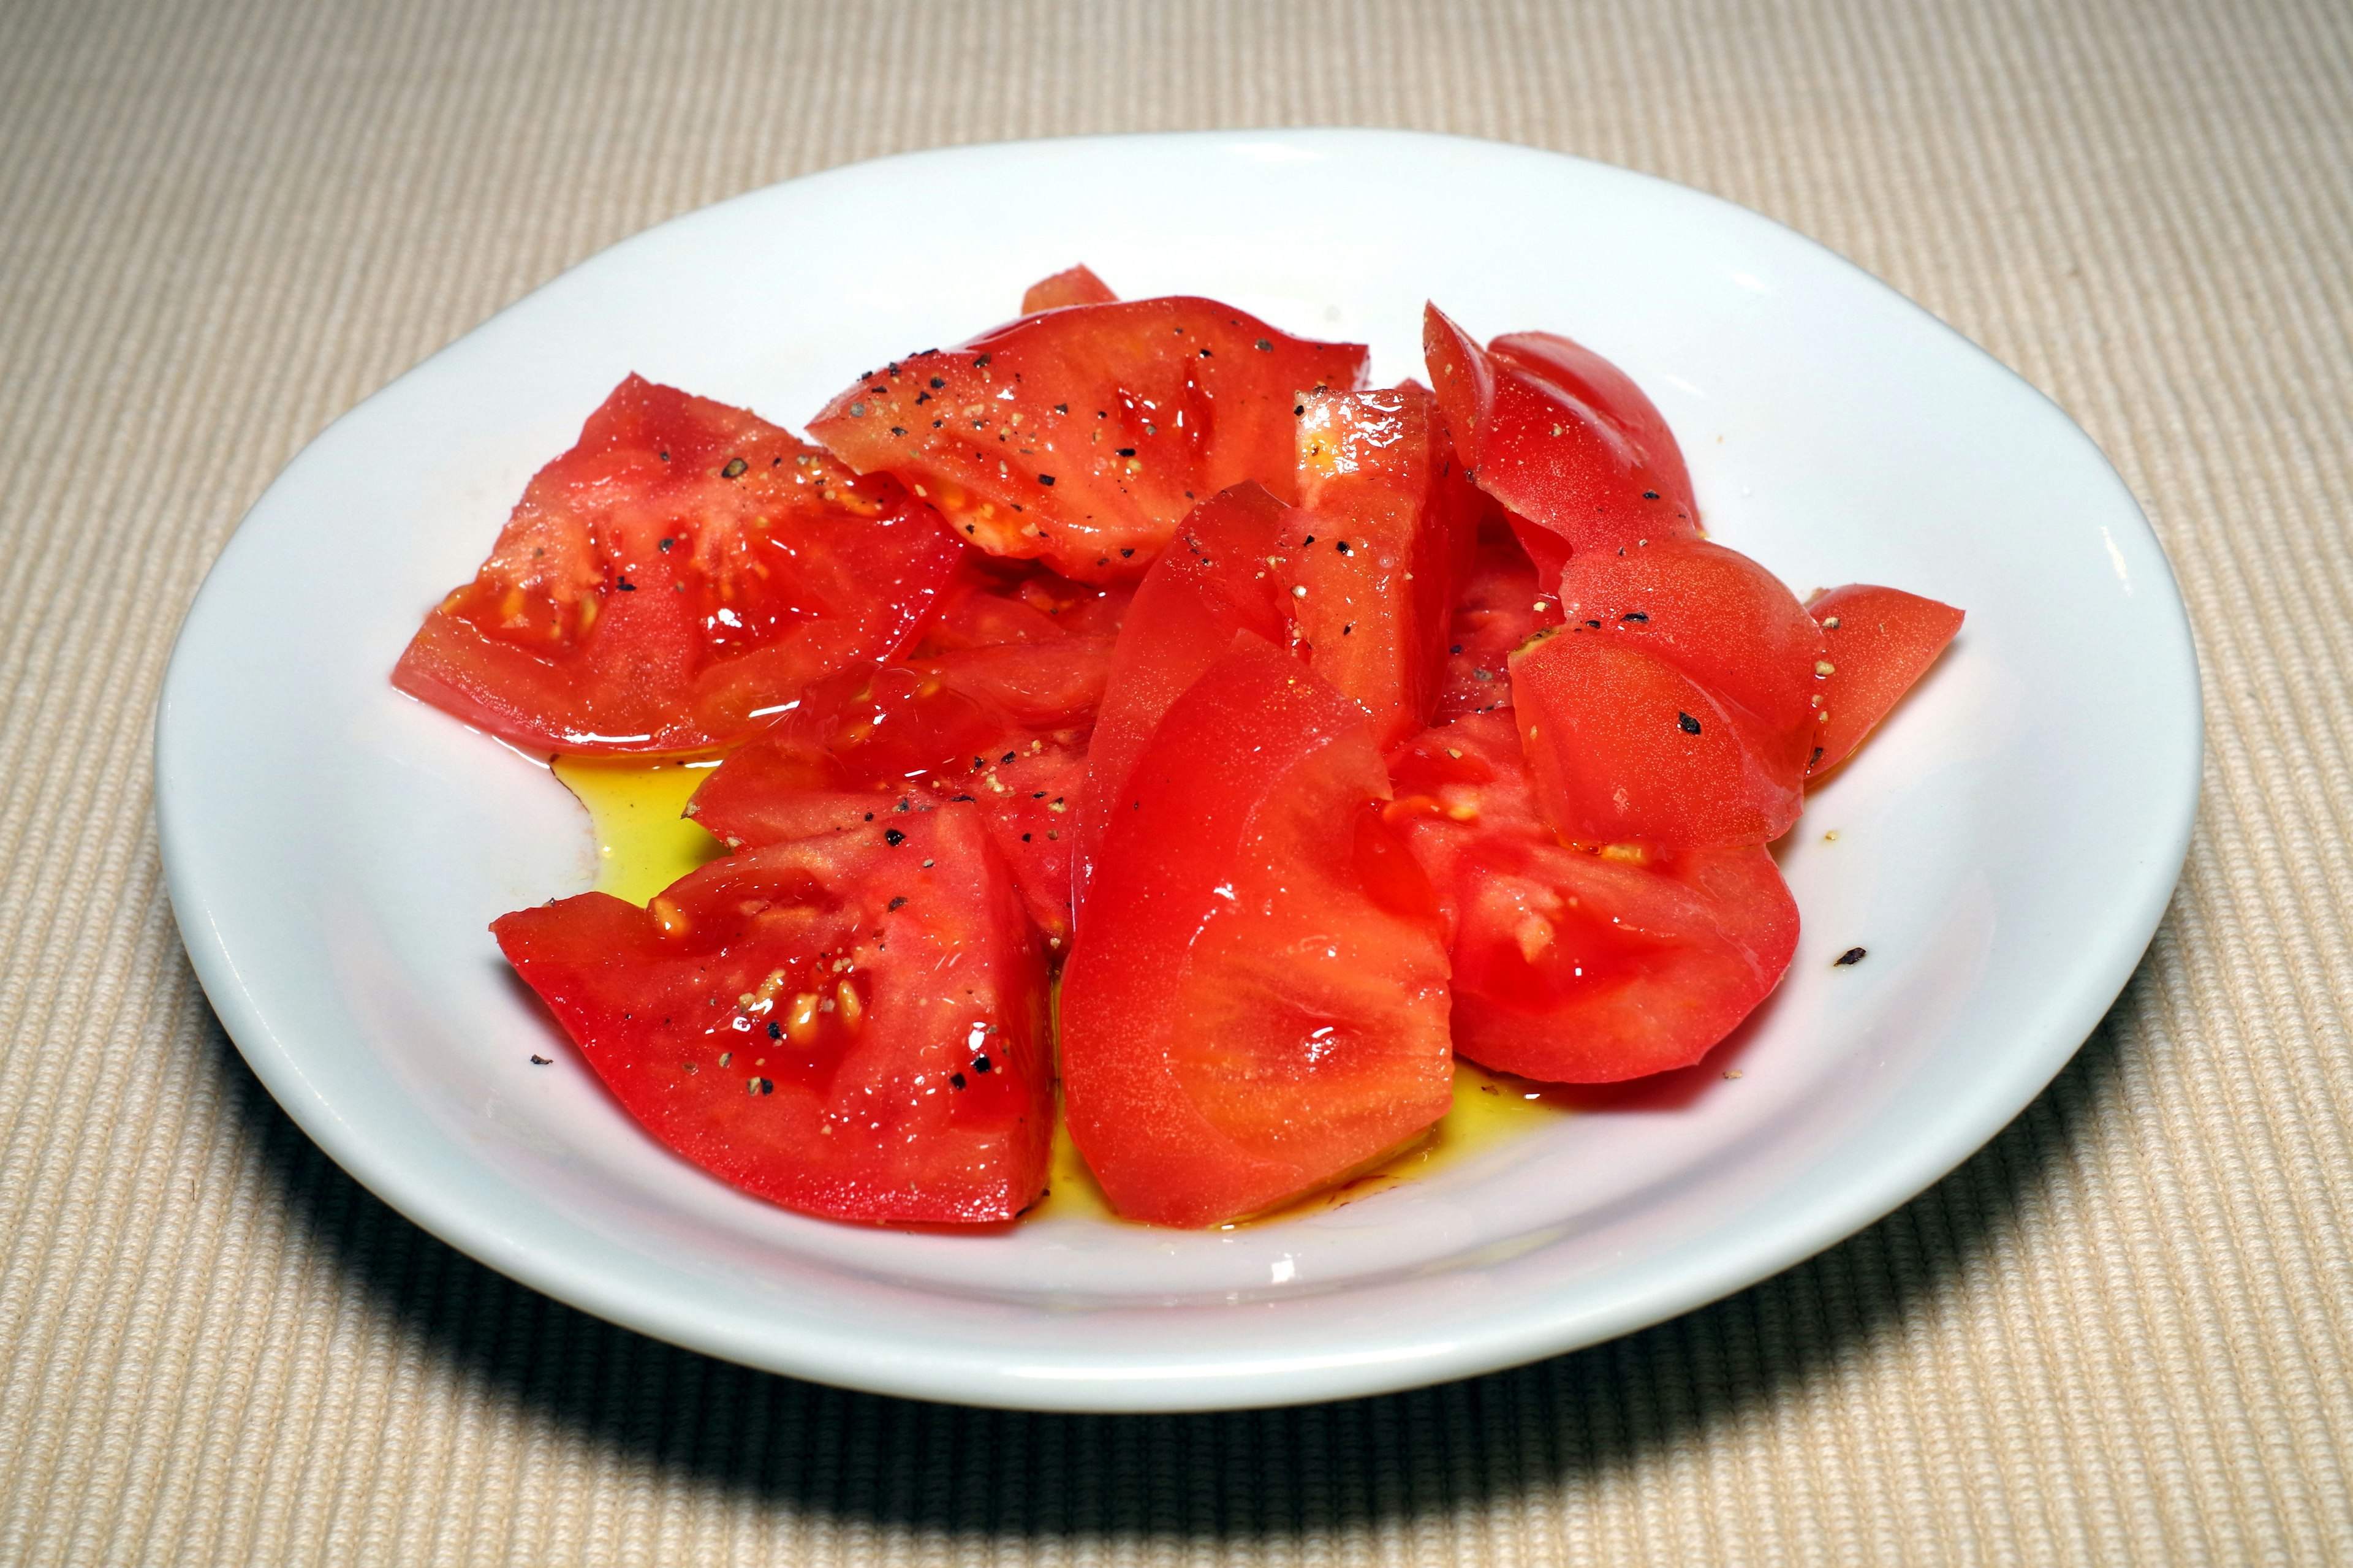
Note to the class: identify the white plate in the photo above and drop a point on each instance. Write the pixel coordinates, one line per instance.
(2006, 846)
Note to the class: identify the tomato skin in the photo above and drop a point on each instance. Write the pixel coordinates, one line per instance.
(820, 970)
(1380, 542)
(1073, 286)
(1213, 582)
(1624, 748)
(1878, 643)
(1081, 435)
(1560, 436)
(1570, 965)
(1720, 618)
(648, 594)
(1612, 394)
(1260, 1002)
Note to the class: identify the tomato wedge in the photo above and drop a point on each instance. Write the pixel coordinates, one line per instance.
(1080, 436)
(871, 746)
(1561, 436)
(852, 1026)
(1380, 543)
(681, 573)
(1570, 965)
(1624, 748)
(1260, 1002)
(1213, 582)
(1720, 618)
(1073, 286)
(1878, 642)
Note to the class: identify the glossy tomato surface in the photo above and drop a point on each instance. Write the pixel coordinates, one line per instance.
(980, 728)
(1377, 550)
(1718, 618)
(1258, 1002)
(852, 1025)
(1877, 643)
(684, 570)
(1080, 436)
(1561, 437)
(1571, 965)
(1216, 579)
(1625, 748)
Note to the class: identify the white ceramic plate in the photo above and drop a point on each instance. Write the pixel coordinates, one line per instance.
(2005, 846)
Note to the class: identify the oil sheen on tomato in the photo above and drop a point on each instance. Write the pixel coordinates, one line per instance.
(643, 845)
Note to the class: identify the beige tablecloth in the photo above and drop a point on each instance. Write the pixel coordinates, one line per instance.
(2118, 1333)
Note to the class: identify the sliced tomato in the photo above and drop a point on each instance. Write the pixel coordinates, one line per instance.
(1564, 440)
(1260, 1003)
(1624, 748)
(1609, 392)
(1079, 437)
(1718, 618)
(1499, 608)
(871, 746)
(1215, 580)
(1380, 543)
(851, 1027)
(1877, 642)
(992, 601)
(1571, 965)
(678, 575)
(1073, 286)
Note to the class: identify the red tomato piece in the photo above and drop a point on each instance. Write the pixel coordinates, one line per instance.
(1081, 435)
(1074, 286)
(992, 601)
(1718, 618)
(1609, 392)
(1624, 748)
(1573, 966)
(1497, 610)
(1877, 643)
(1213, 582)
(852, 1026)
(1380, 542)
(1560, 436)
(1259, 1003)
(680, 574)
(871, 746)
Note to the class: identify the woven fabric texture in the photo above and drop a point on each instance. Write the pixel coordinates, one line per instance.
(2117, 1334)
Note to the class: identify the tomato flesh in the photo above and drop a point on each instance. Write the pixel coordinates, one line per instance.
(849, 1027)
(1260, 1002)
(1073, 286)
(1081, 435)
(685, 569)
(1571, 965)
(1497, 610)
(1564, 440)
(872, 746)
(1878, 642)
(1624, 748)
(1379, 544)
(1213, 582)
